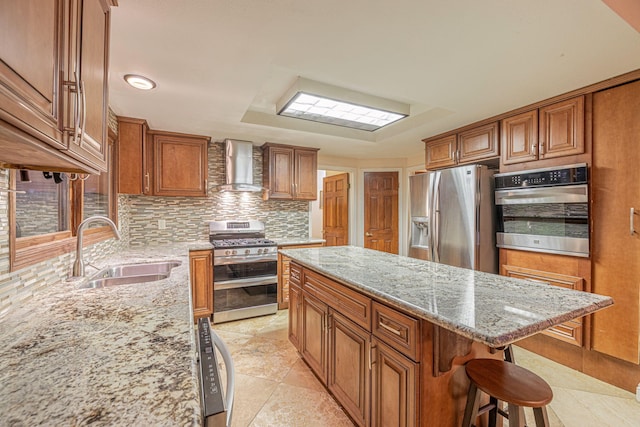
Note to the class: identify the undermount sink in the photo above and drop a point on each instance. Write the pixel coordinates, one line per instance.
(130, 273)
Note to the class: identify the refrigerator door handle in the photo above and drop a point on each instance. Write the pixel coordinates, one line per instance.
(434, 218)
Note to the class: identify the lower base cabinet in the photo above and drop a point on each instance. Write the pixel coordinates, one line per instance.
(314, 336)
(201, 274)
(394, 388)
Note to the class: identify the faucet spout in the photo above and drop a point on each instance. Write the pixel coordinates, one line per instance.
(78, 264)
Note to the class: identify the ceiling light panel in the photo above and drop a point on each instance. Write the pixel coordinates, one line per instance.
(140, 82)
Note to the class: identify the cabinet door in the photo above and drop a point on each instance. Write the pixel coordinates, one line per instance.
(477, 144)
(571, 331)
(30, 55)
(441, 152)
(314, 335)
(305, 174)
(519, 138)
(295, 319)
(284, 264)
(280, 172)
(130, 150)
(201, 273)
(179, 165)
(615, 209)
(562, 128)
(394, 393)
(88, 61)
(349, 361)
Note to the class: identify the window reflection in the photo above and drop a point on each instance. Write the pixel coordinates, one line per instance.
(44, 206)
(96, 197)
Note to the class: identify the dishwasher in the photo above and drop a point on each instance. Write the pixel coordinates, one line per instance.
(216, 404)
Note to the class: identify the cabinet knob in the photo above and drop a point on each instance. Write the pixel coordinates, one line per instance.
(368, 234)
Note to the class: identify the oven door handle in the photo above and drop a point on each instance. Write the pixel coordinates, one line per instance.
(243, 283)
(520, 196)
(244, 259)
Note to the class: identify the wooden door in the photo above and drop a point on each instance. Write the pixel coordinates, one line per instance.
(615, 237)
(295, 297)
(519, 138)
(30, 52)
(441, 152)
(201, 273)
(179, 165)
(562, 128)
(349, 376)
(335, 210)
(88, 56)
(305, 174)
(394, 393)
(381, 211)
(314, 335)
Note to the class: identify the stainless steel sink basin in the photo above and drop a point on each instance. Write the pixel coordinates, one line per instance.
(130, 273)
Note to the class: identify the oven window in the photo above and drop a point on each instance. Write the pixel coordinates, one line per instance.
(244, 270)
(545, 219)
(244, 297)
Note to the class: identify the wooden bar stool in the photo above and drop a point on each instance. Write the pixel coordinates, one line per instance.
(507, 382)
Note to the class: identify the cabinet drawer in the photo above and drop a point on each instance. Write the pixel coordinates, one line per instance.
(295, 274)
(396, 329)
(351, 304)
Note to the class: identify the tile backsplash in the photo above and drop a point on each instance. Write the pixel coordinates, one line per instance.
(186, 217)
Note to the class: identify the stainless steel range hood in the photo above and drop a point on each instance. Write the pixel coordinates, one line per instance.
(239, 166)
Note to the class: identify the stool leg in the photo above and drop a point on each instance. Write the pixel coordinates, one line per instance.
(473, 403)
(493, 413)
(516, 416)
(542, 420)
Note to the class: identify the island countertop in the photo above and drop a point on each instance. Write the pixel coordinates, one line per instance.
(488, 308)
(123, 355)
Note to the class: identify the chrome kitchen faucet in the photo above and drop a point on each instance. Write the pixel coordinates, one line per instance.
(78, 264)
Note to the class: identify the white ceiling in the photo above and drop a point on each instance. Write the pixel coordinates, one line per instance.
(221, 65)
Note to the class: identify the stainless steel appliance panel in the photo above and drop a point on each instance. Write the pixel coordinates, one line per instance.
(419, 217)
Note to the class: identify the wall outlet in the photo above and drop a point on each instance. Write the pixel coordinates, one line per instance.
(162, 224)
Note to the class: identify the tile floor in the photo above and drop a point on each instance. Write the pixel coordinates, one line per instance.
(275, 388)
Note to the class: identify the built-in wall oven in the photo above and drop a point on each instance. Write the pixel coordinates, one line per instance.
(245, 270)
(544, 210)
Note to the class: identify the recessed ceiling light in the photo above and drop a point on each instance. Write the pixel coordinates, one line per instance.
(139, 82)
(338, 106)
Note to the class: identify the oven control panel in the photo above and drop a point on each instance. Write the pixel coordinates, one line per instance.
(563, 175)
(210, 385)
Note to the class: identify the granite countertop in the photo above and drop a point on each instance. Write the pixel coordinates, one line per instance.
(495, 310)
(291, 241)
(123, 355)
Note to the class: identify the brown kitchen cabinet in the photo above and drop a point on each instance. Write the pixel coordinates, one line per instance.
(53, 101)
(295, 307)
(571, 331)
(284, 263)
(469, 146)
(159, 163)
(201, 275)
(615, 212)
(314, 337)
(550, 132)
(290, 172)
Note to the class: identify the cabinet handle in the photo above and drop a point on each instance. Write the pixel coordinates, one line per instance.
(534, 149)
(371, 362)
(542, 148)
(84, 111)
(76, 106)
(146, 177)
(632, 212)
(457, 156)
(389, 328)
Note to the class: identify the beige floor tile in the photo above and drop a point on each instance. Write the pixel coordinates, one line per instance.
(298, 406)
(301, 376)
(250, 396)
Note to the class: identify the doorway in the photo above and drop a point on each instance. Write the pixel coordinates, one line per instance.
(381, 211)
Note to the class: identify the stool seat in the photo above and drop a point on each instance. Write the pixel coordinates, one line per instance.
(509, 382)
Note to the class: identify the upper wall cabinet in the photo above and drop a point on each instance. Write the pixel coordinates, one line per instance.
(469, 146)
(289, 172)
(553, 131)
(158, 163)
(53, 84)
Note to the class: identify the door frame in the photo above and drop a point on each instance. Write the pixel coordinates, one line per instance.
(353, 201)
(406, 228)
(402, 212)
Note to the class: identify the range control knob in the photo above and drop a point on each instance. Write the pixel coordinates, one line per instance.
(247, 251)
(227, 252)
(234, 252)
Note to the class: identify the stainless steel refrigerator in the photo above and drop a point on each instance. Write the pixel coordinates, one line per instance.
(453, 218)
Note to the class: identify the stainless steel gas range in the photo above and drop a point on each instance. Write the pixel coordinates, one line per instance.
(245, 268)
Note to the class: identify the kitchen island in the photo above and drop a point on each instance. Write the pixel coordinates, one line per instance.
(123, 355)
(406, 328)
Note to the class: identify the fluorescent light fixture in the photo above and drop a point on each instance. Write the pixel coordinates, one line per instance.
(341, 107)
(139, 82)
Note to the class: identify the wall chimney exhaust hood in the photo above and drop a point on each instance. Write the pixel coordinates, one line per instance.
(239, 166)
